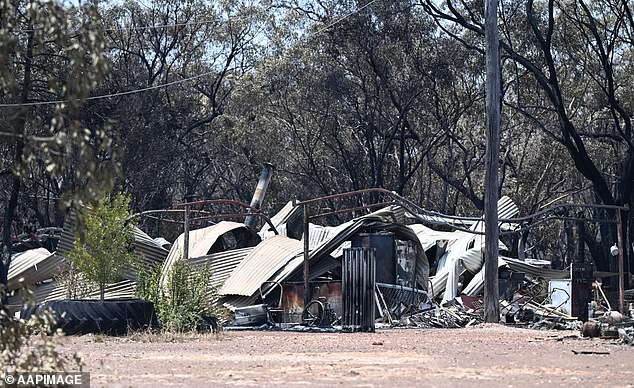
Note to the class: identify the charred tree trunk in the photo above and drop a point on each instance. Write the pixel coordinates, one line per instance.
(19, 128)
(7, 242)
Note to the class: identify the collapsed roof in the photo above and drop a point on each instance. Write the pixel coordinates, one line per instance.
(243, 263)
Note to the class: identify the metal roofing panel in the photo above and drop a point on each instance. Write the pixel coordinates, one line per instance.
(33, 266)
(507, 209)
(318, 234)
(339, 236)
(428, 237)
(221, 264)
(271, 261)
(54, 291)
(476, 285)
(200, 241)
(262, 263)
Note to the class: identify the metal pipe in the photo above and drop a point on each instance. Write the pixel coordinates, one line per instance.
(208, 214)
(352, 209)
(306, 256)
(186, 234)
(377, 190)
(146, 213)
(238, 215)
(260, 192)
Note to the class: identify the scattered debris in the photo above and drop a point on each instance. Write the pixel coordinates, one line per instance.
(449, 315)
(626, 335)
(591, 329)
(589, 352)
(425, 278)
(547, 324)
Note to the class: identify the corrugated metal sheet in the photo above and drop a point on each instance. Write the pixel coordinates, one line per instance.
(476, 285)
(221, 264)
(53, 291)
(38, 266)
(325, 241)
(331, 240)
(507, 209)
(200, 241)
(464, 250)
(163, 243)
(429, 237)
(318, 234)
(33, 266)
(262, 263)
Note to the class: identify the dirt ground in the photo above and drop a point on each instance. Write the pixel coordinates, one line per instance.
(488, 355)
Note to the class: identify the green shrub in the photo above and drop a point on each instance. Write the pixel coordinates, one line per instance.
(185, 298)
(102, 251)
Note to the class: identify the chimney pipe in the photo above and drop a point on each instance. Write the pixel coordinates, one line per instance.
(260, 192)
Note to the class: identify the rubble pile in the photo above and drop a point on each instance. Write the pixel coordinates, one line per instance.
(610, 325)
(626, 335)
(425, 277)
(453, 315)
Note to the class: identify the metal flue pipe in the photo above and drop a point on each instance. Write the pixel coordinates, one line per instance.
(260, 192)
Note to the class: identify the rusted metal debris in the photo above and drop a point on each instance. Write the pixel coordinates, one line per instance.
(449, 315)
(429, 278)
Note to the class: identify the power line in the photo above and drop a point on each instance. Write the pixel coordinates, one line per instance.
(109, 95)
(344, 17)
(152, 27)
(183, 80)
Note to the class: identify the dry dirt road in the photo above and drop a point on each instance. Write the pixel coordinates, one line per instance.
(484, 356)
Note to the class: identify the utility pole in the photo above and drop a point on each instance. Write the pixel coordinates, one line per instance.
(491, 232)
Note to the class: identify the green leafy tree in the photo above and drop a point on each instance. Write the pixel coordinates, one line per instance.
(52, 56)
(102, 250)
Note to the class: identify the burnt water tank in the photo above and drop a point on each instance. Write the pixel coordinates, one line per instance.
(383, 243)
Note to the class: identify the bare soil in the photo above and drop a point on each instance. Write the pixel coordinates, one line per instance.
(486, 356)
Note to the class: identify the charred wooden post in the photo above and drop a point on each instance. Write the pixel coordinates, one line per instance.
(491, 291)
(260, 192)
